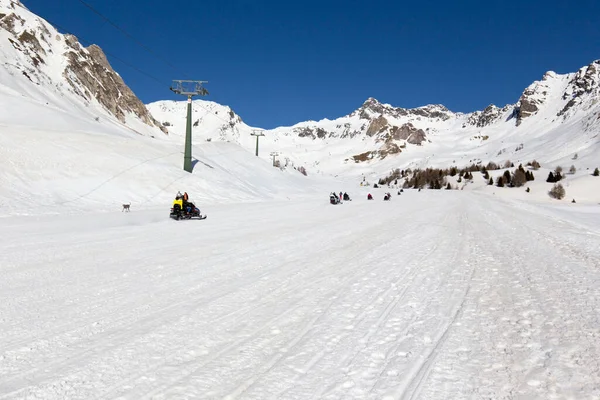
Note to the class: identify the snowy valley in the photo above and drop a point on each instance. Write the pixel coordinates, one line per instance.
(480, 292)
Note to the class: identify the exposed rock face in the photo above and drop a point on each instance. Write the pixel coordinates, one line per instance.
(377, 125)
(384, 131)
(585, 82)
(409, 133)
(89, 68)
(432, 111)
(373, 107)
(486, 117)
(527, 105)
(387, 126)
(313, 132)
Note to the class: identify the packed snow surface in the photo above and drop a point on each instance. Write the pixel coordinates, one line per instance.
(433, 295)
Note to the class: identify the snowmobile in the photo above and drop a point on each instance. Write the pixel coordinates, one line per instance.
(333, 199)
(187, 210)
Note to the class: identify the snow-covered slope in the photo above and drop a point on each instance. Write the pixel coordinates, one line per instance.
(62, 170)
(434, 296)
(553, 119)
(210, 120)
(58, 76)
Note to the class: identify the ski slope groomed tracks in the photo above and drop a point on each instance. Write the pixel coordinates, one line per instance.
(434, 295)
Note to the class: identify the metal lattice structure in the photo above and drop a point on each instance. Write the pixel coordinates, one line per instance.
(189, 88)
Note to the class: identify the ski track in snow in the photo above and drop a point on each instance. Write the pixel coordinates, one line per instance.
(433, 295)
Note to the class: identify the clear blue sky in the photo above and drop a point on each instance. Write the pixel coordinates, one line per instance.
(281, 62)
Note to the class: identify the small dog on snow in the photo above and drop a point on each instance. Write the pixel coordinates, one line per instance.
(126, 207)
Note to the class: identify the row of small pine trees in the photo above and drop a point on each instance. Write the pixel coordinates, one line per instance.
(515, 179)
(436, 178)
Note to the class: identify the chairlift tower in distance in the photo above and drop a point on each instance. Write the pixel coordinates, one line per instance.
(189, 89)
(274, 154)
(257, 133)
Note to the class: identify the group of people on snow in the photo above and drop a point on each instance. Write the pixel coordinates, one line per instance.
(386, 197)
(335, 199)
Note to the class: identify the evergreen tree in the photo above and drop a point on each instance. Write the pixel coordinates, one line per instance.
(507, 177)
(558, 176)
(529, 176)
(519, 178)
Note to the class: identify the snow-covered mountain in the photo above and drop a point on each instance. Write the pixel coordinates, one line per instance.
(553, 119)
(72, 130)
(73, 136)
(55, 73)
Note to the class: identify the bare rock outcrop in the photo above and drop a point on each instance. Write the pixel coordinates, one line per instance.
(90, 75)
(585, 81)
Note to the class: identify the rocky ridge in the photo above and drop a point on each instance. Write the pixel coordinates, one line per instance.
(46, 57)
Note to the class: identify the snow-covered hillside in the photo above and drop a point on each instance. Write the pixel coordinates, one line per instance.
(554, 119)
(57, 76)
(74, 136)
(91, 167)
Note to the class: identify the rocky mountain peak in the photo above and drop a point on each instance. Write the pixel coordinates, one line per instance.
(372, 108)
(534, 96)
(582, 87)
(59, 63)
(432, 111)
(488, 116)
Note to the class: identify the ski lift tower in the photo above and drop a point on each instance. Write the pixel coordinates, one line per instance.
(189, 89)
(258, 133)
